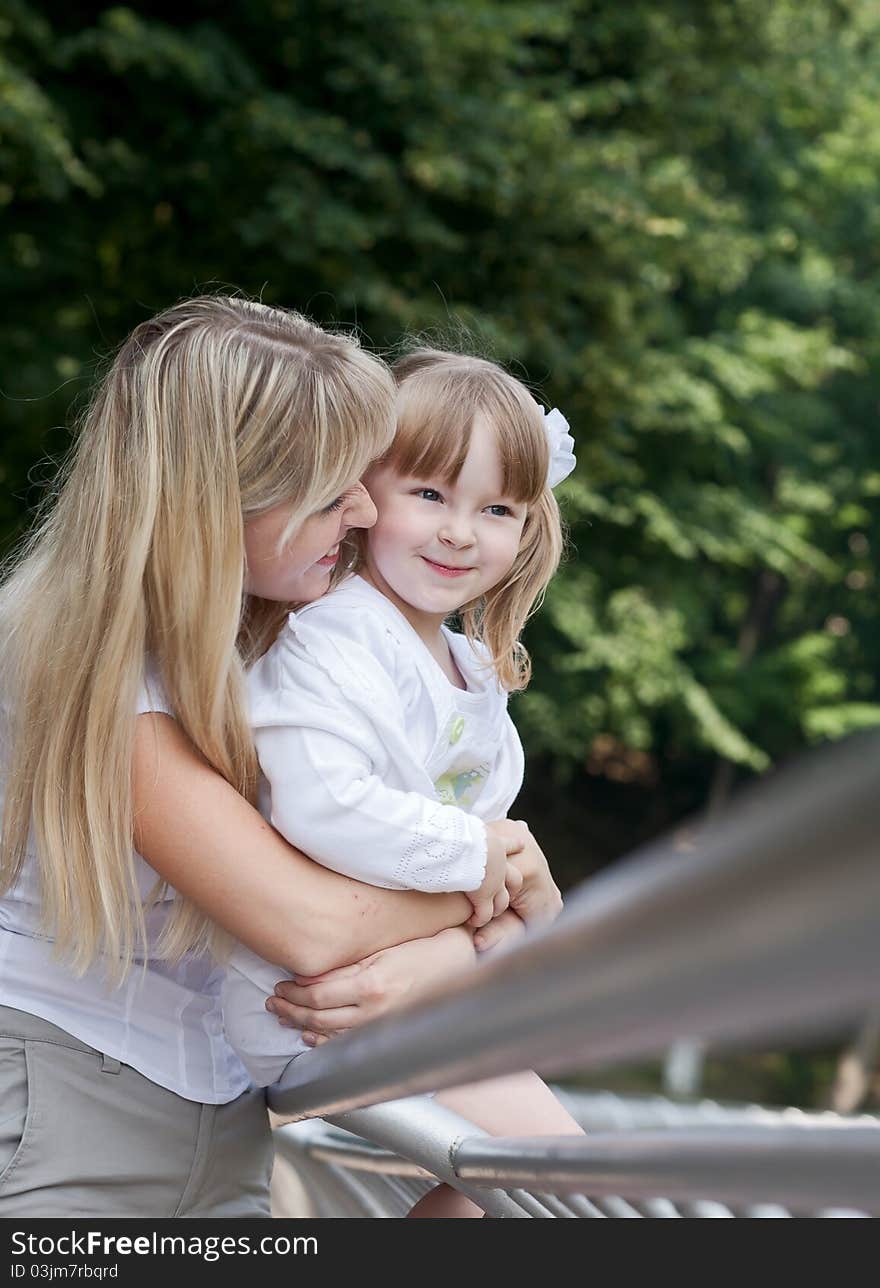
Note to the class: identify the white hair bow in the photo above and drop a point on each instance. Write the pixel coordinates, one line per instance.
(562, 457)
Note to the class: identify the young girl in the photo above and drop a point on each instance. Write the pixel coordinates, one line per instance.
(382, 735)
(125, 624)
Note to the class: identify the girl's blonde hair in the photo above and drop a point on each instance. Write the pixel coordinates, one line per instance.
(439, 394)
(211, 413)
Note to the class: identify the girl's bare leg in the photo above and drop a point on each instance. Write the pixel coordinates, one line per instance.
(517, 1105)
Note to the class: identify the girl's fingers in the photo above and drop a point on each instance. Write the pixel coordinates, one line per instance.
(316, 1039)
(516, 836)
(513, 880)
(481, 914)
(500, 902)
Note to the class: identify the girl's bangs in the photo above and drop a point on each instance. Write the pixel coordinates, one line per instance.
(434, 426)
(432, 445)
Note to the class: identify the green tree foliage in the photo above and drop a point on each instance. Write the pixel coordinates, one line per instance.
(664, 214)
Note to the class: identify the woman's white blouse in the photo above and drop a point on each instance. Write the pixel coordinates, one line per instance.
(164, 1021)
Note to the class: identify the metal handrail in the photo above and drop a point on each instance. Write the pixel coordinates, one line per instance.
(803, 1167)
(430, 1133)
(765, 929)
(753, 1161)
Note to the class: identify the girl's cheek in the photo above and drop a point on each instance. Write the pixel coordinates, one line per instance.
(399, 527)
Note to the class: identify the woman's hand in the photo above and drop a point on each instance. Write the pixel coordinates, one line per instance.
(342, 999)
(537, 901)
(501, 933)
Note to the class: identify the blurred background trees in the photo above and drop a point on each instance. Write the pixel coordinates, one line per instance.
(663, 215)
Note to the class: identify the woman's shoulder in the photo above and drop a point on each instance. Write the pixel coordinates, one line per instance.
(151, 694)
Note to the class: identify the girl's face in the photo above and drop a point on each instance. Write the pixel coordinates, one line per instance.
(437, 545)
(300, 570)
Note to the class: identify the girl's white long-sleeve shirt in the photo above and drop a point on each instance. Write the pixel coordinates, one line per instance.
(373, 762)
(375, 765)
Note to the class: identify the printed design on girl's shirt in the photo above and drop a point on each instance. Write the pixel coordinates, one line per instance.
(461, 787)
(456, 731)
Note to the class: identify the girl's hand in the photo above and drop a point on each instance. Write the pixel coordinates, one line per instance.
(343, 999)
(492, 896)
(538, 900)
(501, 933)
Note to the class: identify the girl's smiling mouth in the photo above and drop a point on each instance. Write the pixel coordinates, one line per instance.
(444, 569)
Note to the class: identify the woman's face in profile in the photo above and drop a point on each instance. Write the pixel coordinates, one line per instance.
(299, 569)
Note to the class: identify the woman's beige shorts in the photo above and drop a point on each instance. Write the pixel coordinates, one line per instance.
(83, 1135)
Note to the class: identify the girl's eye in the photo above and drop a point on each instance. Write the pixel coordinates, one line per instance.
(429, 494)
(499, 510)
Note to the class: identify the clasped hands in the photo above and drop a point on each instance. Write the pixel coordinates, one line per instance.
(517, 891)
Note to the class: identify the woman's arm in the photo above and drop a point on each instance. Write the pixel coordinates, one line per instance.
(345, 998)
(213, 847)
(330, 800)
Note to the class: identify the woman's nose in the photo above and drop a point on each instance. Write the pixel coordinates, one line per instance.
(361, 511)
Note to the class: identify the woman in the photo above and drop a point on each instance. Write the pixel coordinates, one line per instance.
(222, 427)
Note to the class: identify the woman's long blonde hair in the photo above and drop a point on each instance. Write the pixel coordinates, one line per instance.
(439, 395)
(211, 413)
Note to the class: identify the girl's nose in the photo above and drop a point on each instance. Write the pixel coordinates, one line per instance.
(360, 511)
(456, 531)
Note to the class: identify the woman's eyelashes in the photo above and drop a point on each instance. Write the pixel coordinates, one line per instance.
(337, 504)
